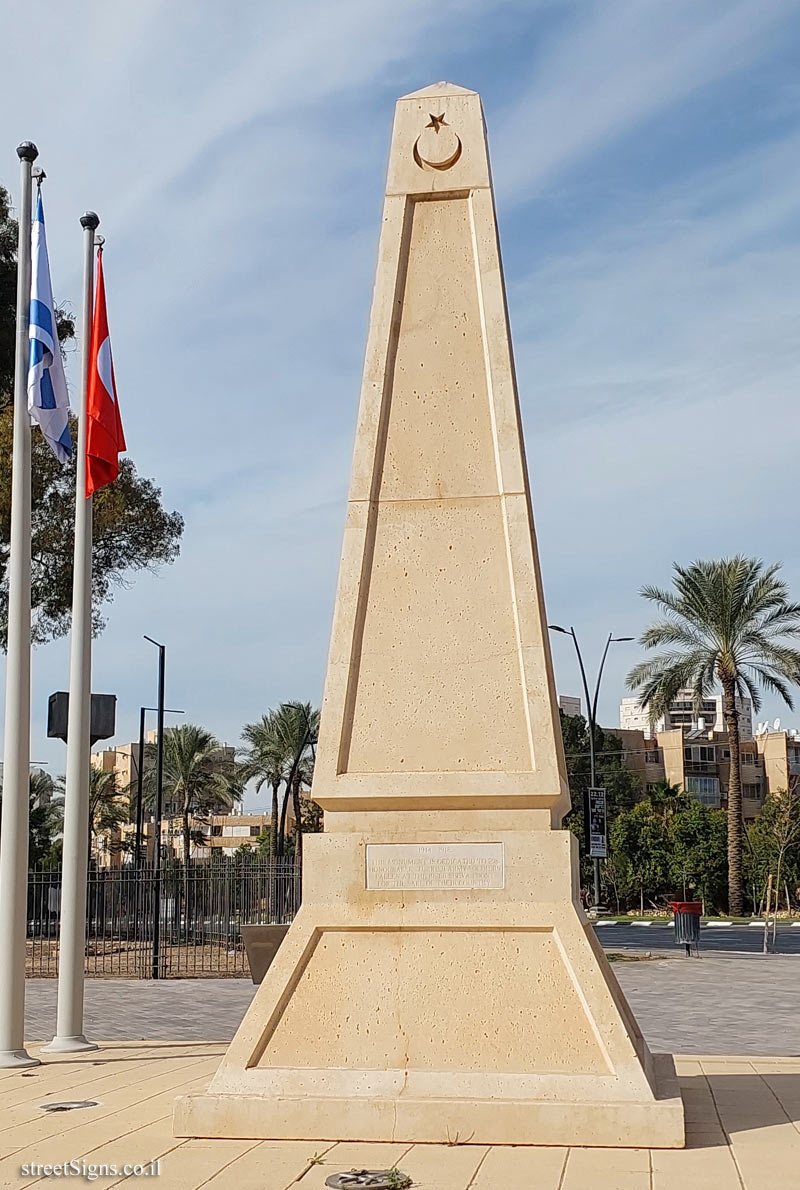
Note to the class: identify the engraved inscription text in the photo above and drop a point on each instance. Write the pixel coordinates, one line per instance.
(435, 865)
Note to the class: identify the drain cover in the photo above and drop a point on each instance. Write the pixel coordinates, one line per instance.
(375, 1179)
(67, 1105)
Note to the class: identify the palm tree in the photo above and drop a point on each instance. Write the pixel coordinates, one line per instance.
(667, 800)
(196, 784)
(45, 818)
(264, 761)
(108, 807)
(298, 727)
(726, 622)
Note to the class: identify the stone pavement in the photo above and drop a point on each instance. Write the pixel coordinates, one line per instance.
(742, 1128)
(133, 1009)
(718, 1004)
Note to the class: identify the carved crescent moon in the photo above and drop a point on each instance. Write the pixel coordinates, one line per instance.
(424, 162)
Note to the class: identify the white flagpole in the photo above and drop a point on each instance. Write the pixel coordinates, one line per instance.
(16, 761)
(72, 937)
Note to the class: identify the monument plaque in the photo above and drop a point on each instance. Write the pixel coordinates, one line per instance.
(432, 866)
(441, 978)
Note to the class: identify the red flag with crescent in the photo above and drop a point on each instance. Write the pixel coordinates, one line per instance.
(104, 437)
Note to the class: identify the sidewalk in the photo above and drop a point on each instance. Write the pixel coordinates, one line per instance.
(685, 1006)
(742, 1124)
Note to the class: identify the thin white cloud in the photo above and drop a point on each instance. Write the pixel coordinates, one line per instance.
(612, 67)
(236, 158)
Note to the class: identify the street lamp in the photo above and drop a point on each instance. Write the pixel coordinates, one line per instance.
(591, 711)
(137, 851)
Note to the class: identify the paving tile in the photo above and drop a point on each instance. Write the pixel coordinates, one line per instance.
(710, 1168)
(191, 1163)
(762, 1169)
(624, 1169)
(347, 1155)
(759, 1103)
(669, 998)
(351, 1155)
(520, 1169)
(129, 1100)
(125, 1009)
(708, 1139)
(443, 1167)
(66, 1144)
(270, 1165)
(139, 1147)
(72, 1083)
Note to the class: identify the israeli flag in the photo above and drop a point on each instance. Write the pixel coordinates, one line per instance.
(48, 400)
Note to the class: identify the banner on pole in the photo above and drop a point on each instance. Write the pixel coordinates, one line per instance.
(598, 826)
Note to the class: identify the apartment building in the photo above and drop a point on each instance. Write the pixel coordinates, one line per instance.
(699, 761)
(683, 713)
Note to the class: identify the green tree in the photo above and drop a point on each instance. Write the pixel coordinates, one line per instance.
(298, 728)
(108, 805)
(726, 622)
(775, 840)
(132, 530)
(198, 781)
(667, 799)
(698, 839)
(264, 761)
(639, 841)
(622, 786)
(45, 819)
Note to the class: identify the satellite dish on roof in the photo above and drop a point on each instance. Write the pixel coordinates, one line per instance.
(776, 726)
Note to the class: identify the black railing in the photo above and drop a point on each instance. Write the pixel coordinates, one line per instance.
(201, 910)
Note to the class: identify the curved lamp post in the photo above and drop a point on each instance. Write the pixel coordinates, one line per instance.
(591, 712)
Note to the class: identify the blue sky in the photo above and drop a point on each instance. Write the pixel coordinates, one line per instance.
(646, 156)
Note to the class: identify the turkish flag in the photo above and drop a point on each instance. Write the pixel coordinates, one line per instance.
(104, 436)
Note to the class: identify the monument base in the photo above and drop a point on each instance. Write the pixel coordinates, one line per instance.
(444, 987)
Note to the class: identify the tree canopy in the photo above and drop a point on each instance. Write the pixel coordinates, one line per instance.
(728, 622)
(45, 821)
(621, 785)
(132, 529)
(199, 779)
(280, 751)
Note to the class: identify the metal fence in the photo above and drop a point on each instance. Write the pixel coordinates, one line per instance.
(179, 922)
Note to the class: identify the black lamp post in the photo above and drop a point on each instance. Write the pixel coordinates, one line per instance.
(139, 779)
(591, 712)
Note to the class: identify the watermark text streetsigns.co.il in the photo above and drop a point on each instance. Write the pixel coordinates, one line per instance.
(90, 1171)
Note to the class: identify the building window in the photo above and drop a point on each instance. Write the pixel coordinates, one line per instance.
(702, 753)
(255, 831)
(753, 792)
(653, 757)
(705, 789)
(216, 830)
(748, 758)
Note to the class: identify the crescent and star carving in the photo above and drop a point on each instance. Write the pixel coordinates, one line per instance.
(429, 162)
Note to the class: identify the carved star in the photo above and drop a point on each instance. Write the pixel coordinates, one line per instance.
(437, 122)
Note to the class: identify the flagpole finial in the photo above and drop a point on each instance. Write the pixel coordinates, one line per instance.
(27, 151)
(90, 220)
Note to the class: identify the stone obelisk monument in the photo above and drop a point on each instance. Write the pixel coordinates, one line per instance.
(440, 979)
